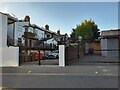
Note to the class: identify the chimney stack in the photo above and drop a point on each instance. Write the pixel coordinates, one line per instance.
(58, 32)
(47, 26)
(27, 19)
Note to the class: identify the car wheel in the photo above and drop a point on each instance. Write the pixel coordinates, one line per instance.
(51, 57)
(57, 56)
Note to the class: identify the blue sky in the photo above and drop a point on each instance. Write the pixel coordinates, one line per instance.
(66, 15)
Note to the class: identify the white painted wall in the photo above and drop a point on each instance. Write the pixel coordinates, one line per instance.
(0, 50)
(18, 32)
(9, 55)
(30, 29)
(61, 55)
(39, 33)
(4, 30)
(52, 41)
(1, 35)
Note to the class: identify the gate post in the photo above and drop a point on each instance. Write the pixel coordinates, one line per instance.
(61, 55)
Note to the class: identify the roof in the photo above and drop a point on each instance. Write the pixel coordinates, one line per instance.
(36, 26)
(52, 40)
(11, 19)
(111, 33)
(44, 39)
(49, 31)
(33, 26)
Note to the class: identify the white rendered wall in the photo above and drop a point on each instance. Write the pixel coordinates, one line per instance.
(0, 31)
(40, 33)
(0, 50)
(52, 41)
(18, 30)
(10, 55)
(3, 35)
(61, 55)
(4, 30)
(30, 29)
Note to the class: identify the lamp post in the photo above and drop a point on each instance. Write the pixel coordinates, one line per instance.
(79, 40)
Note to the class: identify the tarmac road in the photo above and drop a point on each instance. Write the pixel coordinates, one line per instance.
(59, 81)
(84, 76)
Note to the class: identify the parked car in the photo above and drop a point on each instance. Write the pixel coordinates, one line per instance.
(54, 54)
(46, 55)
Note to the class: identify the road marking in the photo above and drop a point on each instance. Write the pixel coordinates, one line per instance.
(29, 71)
(100, 66)
(59, 74)
(105, 70)
(96, 72)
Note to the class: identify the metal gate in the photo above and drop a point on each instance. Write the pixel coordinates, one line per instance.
(73, 53)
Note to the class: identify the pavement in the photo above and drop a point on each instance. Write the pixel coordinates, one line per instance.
(96, 59)
(88, 65)
(43, 62)
(102, 69)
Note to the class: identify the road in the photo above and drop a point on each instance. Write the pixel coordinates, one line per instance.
(59, 81)
(83, 76)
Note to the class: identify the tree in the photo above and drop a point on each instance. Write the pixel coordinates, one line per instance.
(73, 36)
(88, 30)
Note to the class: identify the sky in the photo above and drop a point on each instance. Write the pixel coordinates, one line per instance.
(65, 15)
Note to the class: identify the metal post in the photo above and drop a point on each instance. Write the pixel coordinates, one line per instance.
(39, 57)
(79, 39)
(78, 50)
(19, 55)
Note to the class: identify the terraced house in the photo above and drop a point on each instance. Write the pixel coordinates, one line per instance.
(21, 33)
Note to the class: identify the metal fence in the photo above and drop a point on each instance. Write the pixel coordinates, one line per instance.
(25, 58)
(73, 52)
(29, 54)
